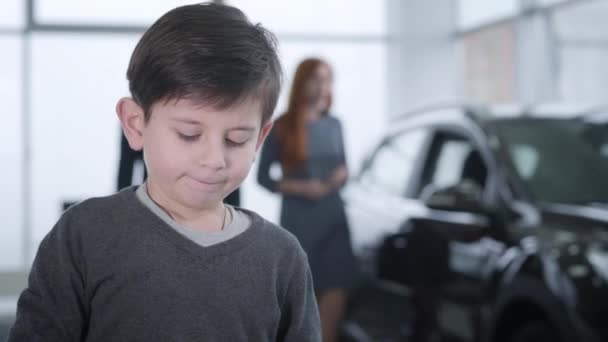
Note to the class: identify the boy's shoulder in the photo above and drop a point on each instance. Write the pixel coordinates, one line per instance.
(101, 213)
(93, 224)
(121, 202)
(269, 233)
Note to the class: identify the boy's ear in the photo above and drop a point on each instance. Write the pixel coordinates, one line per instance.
(263, 134)
(131, 117)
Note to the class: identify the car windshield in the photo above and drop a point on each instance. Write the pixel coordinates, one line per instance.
(559, 160)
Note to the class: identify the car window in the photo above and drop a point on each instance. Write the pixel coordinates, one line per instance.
(453, 159)
(525, 159)
(603, 150)
(559, 161)
(596, 134)
(393, 163)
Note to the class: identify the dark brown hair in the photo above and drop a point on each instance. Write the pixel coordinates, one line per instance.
(208, 53)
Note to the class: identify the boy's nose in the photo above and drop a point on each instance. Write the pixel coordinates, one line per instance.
(212, 157)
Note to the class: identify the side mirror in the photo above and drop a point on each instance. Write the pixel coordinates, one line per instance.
(465, 196)
(458, 206)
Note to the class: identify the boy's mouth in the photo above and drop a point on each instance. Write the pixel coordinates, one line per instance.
(207, 181)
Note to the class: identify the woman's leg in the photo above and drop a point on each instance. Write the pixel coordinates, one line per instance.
(332, 305)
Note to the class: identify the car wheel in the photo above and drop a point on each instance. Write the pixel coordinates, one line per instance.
(536, 331)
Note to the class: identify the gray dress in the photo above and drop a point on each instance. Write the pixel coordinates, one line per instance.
(320, 225)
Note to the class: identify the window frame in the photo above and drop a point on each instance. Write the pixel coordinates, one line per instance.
(416, 170)
(490, 191)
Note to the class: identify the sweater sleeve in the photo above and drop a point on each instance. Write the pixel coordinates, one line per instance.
(300, 315)
(53, 306)
(270, 155)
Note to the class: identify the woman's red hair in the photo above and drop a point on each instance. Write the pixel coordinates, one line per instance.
(291, 127)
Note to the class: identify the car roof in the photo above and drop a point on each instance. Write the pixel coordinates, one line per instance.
(455, 111)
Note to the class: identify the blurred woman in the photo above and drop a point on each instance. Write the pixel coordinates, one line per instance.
(307, 143)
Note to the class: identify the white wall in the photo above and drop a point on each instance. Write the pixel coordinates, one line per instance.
(11, 154)
(75, 83)
(12, 14)
(104, 13)
(423, 59)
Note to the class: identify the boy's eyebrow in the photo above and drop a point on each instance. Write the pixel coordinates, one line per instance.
(188, 121)
(196, 122)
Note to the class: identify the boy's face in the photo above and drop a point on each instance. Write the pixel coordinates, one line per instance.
(196, 155)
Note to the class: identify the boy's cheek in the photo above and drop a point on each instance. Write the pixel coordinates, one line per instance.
(243, 163)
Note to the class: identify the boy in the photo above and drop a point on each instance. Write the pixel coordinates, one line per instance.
(168, 261)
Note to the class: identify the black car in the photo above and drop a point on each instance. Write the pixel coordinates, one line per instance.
(474, 224)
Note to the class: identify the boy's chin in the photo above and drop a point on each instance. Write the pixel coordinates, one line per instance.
(202, 201)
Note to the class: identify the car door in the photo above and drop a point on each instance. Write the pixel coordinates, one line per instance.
(375, 201)
(454, 158)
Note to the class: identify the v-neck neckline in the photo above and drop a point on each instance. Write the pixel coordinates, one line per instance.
(205, 252)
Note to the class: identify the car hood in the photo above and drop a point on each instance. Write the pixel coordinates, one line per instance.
(565, 225)
(581, 218)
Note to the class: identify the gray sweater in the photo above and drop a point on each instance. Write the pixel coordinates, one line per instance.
(111, 270)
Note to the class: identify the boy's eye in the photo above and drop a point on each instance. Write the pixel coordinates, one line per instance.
(188, 138)
(232, 143)
(237, 138)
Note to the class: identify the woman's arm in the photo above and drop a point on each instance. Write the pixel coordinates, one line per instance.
(308, 188)
(339, 175)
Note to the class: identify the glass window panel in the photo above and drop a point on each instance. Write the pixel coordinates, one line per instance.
(76, 81)
(450, 162)
(585, 21)
(584, 75)
(360, 89)
(456, 160)
(550, 2)
(472, 13)
(11, 154)
(12, 14)
(107, 12)
(317, 16)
